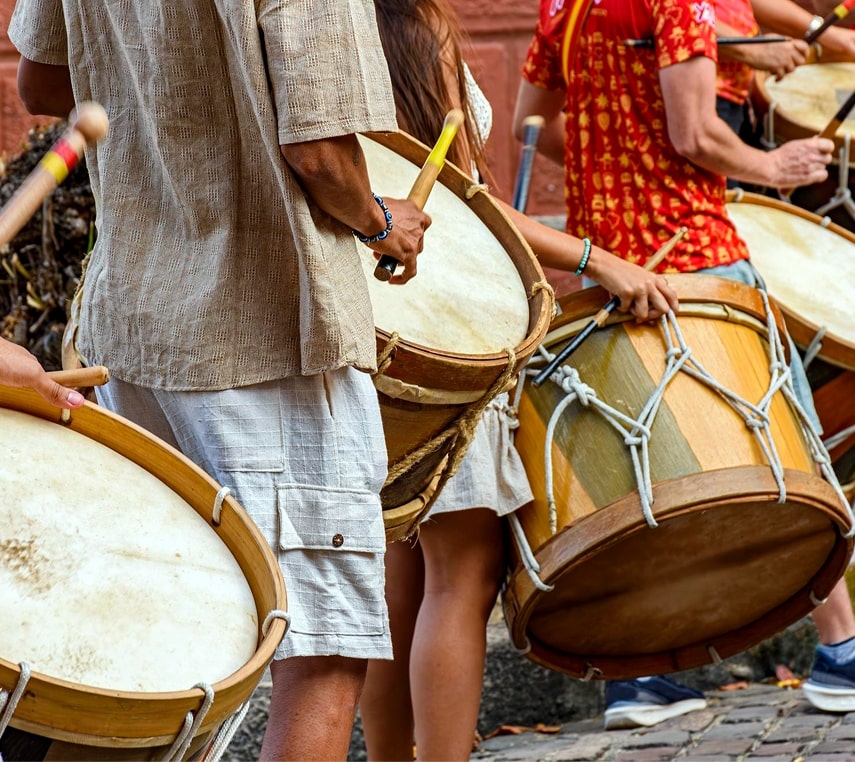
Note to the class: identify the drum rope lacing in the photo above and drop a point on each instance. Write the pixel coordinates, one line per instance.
(636, 432)
(459, 433)
(9, 701)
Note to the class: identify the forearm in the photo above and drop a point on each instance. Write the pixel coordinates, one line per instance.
(552, 247)
(782, 16)
(333, 173)
(45, 89)
(533, 100)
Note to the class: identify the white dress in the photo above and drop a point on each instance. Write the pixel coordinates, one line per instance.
(491, 474)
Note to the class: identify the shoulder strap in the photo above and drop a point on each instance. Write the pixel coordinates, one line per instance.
(576, 15)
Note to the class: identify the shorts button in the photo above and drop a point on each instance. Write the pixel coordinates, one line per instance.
(337, 540)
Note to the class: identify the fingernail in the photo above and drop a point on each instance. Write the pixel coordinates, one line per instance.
(75, 398)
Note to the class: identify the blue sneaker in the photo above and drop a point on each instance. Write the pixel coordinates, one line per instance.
(648, 701)
(831, 686)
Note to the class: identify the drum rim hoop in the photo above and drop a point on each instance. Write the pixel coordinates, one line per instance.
(45, 691)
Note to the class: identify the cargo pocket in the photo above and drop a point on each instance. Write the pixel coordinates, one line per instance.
(332, 544)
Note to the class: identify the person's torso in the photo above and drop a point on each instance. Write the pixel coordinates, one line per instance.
(627, 188)
(211, 267)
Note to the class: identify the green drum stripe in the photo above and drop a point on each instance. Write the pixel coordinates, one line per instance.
(595, 449)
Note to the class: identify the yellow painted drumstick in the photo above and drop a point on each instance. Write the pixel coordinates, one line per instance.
(87, 124)
(424, 182)
(97, 375)
(600, 318)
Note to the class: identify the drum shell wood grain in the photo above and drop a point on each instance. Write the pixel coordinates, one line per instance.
(727, 566)
(84, 715)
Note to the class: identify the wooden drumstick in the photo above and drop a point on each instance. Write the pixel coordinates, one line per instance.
(97, 375)
(837, 13)
(87, 124)
(424, 182)
(531, 127)
(600, 318)
(831, 128)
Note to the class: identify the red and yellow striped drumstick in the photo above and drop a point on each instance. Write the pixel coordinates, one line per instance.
(87, 124)
(837, 13)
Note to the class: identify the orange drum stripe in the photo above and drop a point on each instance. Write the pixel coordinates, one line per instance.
(610, 364)
(729, 352)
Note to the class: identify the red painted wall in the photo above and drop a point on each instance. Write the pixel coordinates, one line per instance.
(500, 31)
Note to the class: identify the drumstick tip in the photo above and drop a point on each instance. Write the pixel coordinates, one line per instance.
(535, 120)
(90, 119)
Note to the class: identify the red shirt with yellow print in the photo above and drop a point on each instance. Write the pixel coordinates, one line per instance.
(626, 187)
(734, 78)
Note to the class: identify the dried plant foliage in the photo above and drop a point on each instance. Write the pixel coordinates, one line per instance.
(40, 267)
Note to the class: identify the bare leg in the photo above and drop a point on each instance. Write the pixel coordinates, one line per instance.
(385, 706)
(464, 562)
(312, 708)
(834, 619)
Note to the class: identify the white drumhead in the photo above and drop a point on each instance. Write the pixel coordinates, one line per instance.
(812, 94)
(108, 578)
(808, 269)
(468, 297)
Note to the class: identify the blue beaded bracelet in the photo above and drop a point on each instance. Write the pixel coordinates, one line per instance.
(585, 255)
(381, 235)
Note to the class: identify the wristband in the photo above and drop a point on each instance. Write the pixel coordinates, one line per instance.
(383, 233)
(586, 253)
(815, 23)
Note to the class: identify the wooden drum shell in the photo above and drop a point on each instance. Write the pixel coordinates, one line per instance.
(813, 293)
(122, 719)
(727, 566)
(425, 390)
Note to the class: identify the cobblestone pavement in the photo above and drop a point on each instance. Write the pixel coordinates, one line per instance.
(760, 722)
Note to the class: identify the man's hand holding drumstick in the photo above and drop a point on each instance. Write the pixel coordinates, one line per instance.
(421, 189)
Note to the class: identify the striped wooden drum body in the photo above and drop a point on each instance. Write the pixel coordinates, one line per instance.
(727, 565)
(453, 337)
(801, 105)
(808, 265)
(132, 589)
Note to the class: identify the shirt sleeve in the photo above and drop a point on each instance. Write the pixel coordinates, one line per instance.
(542, 66)
(37, 30)
(327, 70)
(683, 30)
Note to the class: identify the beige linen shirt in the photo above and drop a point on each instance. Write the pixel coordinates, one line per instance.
(212, 269)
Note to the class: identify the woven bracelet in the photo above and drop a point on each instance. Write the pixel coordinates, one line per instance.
(382, 234)
(585, 255)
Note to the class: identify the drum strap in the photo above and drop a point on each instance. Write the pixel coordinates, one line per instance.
(576, 15)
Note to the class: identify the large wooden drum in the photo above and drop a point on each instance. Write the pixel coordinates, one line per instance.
(809, 268)
(801, 105)
(133, 590)
(453, 337)
(742, 538)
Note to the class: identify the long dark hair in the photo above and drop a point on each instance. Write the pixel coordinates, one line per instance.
(423, 40)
